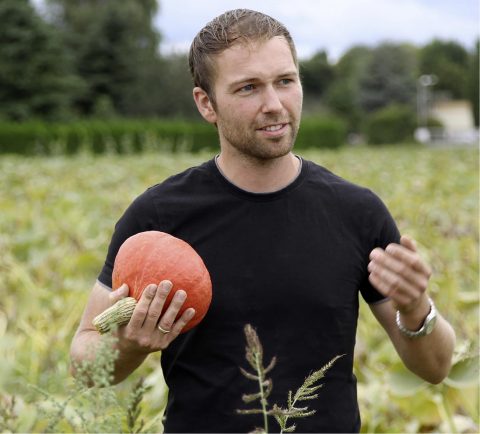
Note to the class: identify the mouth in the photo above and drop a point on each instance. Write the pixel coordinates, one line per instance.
(274, 130)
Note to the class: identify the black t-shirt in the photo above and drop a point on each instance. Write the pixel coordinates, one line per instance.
(290, 263)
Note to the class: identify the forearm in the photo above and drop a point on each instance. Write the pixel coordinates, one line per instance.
(429, 356)
(85, 346)
(399, 273)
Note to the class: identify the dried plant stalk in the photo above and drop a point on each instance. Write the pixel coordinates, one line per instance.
(307, 391)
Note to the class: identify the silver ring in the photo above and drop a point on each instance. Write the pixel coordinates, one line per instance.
(163, 330)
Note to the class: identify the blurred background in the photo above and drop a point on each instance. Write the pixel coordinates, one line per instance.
(96, 106)
(373, 72)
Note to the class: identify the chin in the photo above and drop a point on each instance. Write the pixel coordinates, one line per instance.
(272, 153)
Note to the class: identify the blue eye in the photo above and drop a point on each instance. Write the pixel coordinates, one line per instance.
(285, 81)
(247, 88)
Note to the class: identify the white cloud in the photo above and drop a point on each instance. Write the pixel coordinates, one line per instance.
(334, 26)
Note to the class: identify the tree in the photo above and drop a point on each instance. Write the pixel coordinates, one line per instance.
(35, 75)
(316, 73)
(175, 91)
(115, 46)
(389, 77)
(449, 61)
(343, 95)
(473, 91)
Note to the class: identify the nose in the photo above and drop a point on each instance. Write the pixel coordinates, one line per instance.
(271, 100)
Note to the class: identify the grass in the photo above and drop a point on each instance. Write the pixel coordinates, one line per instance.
(57, 215)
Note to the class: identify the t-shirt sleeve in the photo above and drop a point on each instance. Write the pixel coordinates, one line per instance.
(383, 231)
(138, 217)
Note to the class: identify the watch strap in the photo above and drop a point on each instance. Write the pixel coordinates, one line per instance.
(426, 327)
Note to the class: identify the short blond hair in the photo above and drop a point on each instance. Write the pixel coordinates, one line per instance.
(232, 27)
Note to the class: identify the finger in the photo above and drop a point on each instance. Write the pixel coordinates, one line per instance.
(168, 318)
(393, 285)
(156, 306)
(399, 298)
(141, 309)
(408, 242)
(407, 256)
(398, 265)
(119, 293)
(181, 323)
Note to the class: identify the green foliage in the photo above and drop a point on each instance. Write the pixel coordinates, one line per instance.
(56, 219)
(100, 58)
(321, 132)
(448, 60)
(342, 98)
(316, 74)
(91, 404)
(307, 391)
(473, 84)
(114, 45)
(170, 89)
(343, 95)
(135, 424)
(392, 124)
(353, 62)
(35, 75)
(389, 77)
(121, 136)
(129, 136)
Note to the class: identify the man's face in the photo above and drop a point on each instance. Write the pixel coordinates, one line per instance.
(258, 99)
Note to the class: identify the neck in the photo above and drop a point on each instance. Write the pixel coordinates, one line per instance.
(259, 176)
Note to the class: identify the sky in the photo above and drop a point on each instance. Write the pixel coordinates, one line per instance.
(332, 25)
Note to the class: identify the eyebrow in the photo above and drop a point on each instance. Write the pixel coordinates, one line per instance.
(256, 79)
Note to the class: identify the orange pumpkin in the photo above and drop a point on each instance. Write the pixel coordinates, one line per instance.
(152, 256)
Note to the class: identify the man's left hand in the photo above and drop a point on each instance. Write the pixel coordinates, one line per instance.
(398, 272)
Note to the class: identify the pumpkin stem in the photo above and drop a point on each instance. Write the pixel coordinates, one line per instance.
(117, 314)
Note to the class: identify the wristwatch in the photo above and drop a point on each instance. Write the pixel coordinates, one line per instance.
(427, 325)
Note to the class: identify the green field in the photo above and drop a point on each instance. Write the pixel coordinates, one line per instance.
(57, 215)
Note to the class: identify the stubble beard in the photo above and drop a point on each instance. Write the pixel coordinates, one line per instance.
(247, 143)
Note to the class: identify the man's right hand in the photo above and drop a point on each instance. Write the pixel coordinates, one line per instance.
(148, 330)
(141, 335)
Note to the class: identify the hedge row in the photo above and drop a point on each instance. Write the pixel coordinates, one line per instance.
(131, 136)
(392, 124)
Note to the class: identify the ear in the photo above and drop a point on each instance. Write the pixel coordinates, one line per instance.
(204, 105)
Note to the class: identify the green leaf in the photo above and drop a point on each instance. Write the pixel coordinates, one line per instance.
(469, 297)
(464, 373)
(404, 383)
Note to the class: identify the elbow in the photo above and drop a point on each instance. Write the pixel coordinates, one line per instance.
(434, 374)
(75, 361)
(441, 372)
(78, 355)
(436, 377)
(443, 362)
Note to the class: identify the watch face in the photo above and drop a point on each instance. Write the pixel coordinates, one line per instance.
(430, 324)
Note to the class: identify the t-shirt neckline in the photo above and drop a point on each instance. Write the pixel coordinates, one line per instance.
(235, 189)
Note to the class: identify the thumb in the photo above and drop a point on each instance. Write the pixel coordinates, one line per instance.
(119, 293)
(408, 242)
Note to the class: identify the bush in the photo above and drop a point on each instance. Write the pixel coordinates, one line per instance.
(392, 124)
(98, 137)
(321, 133)
(122, 136)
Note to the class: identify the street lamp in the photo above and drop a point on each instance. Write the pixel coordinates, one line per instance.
(423, 97)
(424, 82)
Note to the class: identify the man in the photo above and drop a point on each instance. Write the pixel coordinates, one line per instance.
(288, 245)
